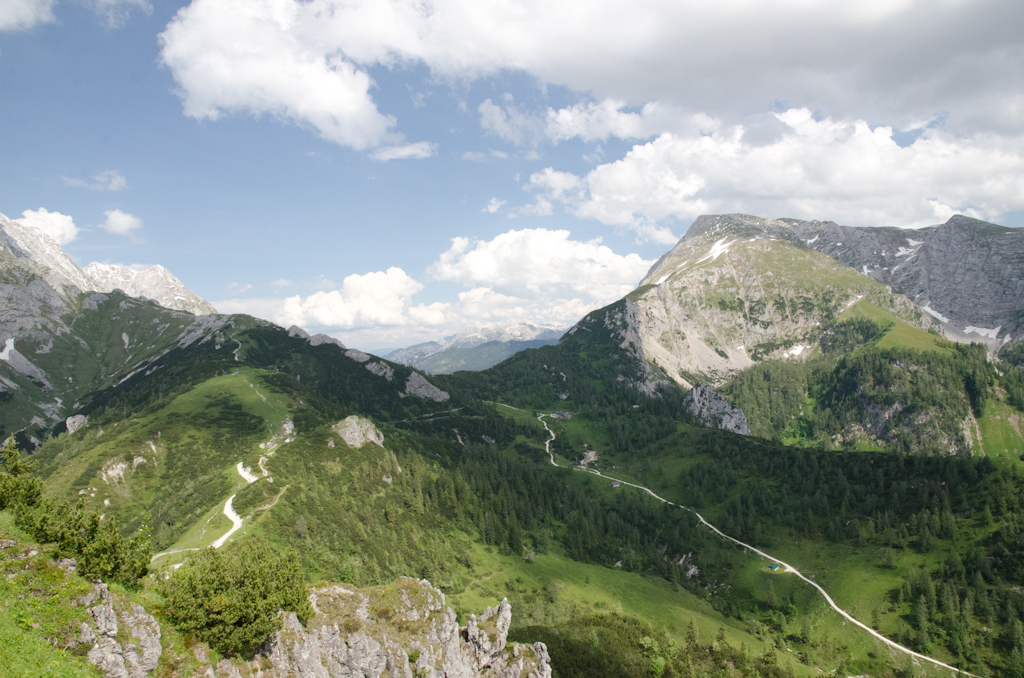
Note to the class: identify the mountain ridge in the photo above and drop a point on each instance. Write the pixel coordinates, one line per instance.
(475, 349)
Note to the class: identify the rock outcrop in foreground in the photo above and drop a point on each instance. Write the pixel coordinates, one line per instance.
(403, 629)
(400, 630)
(713, 411)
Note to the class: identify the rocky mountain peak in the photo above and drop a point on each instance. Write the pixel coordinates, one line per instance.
(43, 255)
(154, 282)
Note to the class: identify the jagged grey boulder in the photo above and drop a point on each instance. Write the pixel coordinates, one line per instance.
(75, 422)
(712, 410)
(417, 385)
(357, 431)
(356, 633)
(139, 657)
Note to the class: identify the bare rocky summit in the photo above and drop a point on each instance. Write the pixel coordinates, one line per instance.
(155, 282)
(966, 274)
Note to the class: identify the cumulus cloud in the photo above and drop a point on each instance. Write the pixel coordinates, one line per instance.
(531, 275)
(121, 223)
(537, 264)
(239, 288)
(58, 226)
(373, 300)
(802, 167)
(493, 205)
(107, 180)
(21, 14)
(878, 60)
(416, 151)
(116, 12)
(593, 120)
(279, 57)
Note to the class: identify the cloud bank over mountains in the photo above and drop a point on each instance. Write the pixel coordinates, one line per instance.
(535, 275)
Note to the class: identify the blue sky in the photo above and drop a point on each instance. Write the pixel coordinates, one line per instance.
(394, 171)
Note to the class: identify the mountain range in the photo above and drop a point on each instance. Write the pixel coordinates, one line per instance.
(773, 392)
(475, 349)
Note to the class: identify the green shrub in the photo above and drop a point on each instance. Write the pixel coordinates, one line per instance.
(96, 543)
(231, 600)
(17, 488)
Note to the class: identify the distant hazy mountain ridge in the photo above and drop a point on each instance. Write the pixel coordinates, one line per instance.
(475, 349)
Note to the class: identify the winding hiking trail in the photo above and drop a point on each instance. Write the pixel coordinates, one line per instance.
(229, 511)
(786, 566)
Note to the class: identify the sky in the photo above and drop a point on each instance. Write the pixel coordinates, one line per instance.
(394, 171)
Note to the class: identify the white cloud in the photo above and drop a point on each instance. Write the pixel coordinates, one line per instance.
(239, 288)
(117, 12)
(374, 300)
(416, 151)
(550, 185)
(21, 14)
(120, 223)
(535, 263)
(281, 283)
(433, 314)
(894, 60)
(493, 205)
(107, 180)
(58, 226)
(537, 276)
(509, 123)
(480, 156)
(599, 120)
(276, 57)
(842, 170)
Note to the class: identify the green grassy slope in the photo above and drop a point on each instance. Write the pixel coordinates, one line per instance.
(897, 333)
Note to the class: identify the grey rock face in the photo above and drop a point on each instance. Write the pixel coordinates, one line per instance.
(320, 339)
(347, 639)
(381, 369)
(75, 422)
(713, 411)
(140, 657)
(155, 282)
(417, 385)
(967, 274)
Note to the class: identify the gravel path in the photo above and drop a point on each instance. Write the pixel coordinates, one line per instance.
(229, 511)
(787, 567)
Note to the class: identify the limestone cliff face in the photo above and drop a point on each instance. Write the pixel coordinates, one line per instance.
(733, 293)
(965, 274)
(713, 411)
(403, 629)
(400, 630)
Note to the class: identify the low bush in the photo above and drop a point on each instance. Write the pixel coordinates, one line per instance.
(231, 599)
